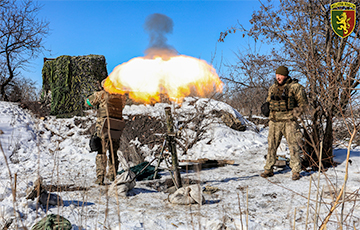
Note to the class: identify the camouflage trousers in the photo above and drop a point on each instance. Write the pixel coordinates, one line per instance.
(101, 157)
(291, 131)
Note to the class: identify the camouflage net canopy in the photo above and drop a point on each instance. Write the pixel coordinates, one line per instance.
(68, 80)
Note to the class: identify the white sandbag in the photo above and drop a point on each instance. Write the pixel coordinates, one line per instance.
(123, 161)
(123, 183)
(187, 195)
(196, 194)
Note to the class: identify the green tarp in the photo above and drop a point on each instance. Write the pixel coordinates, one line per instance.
(147, 174)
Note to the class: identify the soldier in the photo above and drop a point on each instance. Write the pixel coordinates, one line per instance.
(287, 100)
(108, 105)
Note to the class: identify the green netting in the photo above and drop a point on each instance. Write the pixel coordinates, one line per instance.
(52, 222)
(67, 81)
(147, 174)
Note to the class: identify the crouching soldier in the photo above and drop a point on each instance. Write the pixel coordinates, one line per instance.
(287, 100)
(109, 106)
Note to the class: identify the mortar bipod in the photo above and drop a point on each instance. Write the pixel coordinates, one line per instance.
(160, 158)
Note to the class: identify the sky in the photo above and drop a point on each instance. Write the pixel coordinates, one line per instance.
(115, 29)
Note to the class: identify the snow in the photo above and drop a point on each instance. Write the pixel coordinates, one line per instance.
(58, 151)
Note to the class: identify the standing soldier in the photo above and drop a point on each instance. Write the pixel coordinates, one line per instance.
(109, 105)
(287, 100)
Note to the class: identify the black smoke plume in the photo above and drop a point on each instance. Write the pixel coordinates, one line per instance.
(158, 26)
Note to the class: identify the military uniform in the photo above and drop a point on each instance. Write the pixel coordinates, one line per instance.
(108, 105)
(287, 101)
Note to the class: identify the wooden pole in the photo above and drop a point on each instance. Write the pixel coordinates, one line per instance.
(295, 219)
(308, 203)
(247, 207)
(242, 227)
(318, 189)
(172, 146)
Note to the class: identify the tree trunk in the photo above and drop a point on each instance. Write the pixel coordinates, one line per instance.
(9, 79)
(2, 92)
(327, 156)
(313, 138)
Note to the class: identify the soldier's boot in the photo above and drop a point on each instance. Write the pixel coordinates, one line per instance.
(113, 168)
(100, 180)
(295, 176)
(110, 177)
(100, 162)
(267, 173)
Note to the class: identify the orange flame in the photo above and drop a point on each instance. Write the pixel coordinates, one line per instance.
(178, 76)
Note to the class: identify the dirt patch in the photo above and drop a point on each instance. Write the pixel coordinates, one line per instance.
(36, 108)
(141, 131)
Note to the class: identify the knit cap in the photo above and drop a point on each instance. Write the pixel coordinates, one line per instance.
(282, 70)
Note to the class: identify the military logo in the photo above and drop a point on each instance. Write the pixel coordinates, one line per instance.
(343, 15)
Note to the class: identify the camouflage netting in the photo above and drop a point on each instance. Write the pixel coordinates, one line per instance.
(68, 80)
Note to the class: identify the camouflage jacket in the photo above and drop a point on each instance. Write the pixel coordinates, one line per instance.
(113, 102)
(285, 98)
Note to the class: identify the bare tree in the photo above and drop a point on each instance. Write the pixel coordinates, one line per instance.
(23, 90)
(302, 31)
(248, 81)
(21, 38)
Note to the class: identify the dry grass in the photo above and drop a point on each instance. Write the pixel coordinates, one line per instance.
(320, 208)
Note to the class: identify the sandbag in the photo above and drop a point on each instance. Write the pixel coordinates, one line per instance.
(116, 127)
(187, 195)
(123, 183)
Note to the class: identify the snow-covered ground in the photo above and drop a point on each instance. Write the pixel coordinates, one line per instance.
(58, 151)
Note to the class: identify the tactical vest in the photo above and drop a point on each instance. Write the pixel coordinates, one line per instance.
(281, 100)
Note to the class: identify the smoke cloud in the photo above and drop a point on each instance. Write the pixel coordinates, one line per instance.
(158, 26)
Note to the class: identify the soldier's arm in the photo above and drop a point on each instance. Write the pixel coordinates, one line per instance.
(94, 99)
(301, 99)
